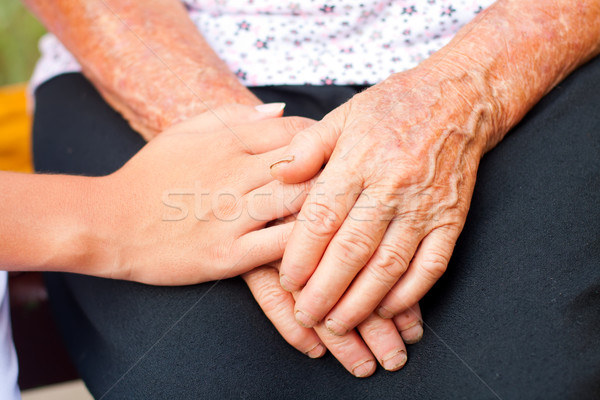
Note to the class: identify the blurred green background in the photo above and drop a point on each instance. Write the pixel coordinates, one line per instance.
(19, 34)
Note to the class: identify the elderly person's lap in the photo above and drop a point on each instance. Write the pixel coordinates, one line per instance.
(516, 315)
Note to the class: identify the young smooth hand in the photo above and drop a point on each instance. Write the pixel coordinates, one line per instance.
(192, 205)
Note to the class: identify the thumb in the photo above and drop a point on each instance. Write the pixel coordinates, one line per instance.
(309, 149)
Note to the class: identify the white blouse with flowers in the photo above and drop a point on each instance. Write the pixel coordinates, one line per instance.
(316, 42)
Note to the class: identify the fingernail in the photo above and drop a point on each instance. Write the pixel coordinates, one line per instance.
(316, 351)
(394, 360)
(385, 313)
(285, 160)
(270, 108)
(305, 320)
(412, 334)
(335, 327)
(363, 369)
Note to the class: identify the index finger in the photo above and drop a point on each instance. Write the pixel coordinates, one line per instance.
(323, 212)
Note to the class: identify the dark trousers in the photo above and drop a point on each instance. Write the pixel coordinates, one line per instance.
(516, 315)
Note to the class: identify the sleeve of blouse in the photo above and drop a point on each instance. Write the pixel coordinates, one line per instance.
(147, 59)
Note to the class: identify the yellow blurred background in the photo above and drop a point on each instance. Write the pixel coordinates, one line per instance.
(19, 34)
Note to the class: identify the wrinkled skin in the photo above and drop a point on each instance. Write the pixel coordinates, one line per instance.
(400, 178)
(210, 237)
(380, 224)
(154, 77)
(162, 76)
(380, 339)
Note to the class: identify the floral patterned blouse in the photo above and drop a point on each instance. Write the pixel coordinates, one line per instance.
(316, 42)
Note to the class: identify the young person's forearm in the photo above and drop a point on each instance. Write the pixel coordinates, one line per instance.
(147, 58)
(48, 223)
(151, 220)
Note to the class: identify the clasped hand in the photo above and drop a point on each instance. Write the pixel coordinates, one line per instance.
(379, 226)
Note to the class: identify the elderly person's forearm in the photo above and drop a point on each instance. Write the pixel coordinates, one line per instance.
(146, 58)
(515, 52)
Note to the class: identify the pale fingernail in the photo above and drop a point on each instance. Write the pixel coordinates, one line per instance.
(335, 327)
(394, 360)
(385, 313)
(317, 351)
(305, 320)
(363, 369)
(412, 334)
(270, 108)
(284, 160)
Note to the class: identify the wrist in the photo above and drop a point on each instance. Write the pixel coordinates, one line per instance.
(207, 88)
(181, 93)
(49, 223)
(80, 235)
(513, 53)
(77, 232)
(452, 101)
(470, 88)
(101, 228)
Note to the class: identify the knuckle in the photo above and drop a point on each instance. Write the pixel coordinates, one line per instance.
(256, 280)
(320, 301)
(383, 275)
(390, 263)
(343, 347)
(376, 328)
(221, 257)
(271, 298)
(354, 247)
(397, 253)
(433, 266)
(332, 123)
(321, 220)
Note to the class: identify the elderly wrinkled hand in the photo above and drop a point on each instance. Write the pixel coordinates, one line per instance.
(391, 201)
(375, 339)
